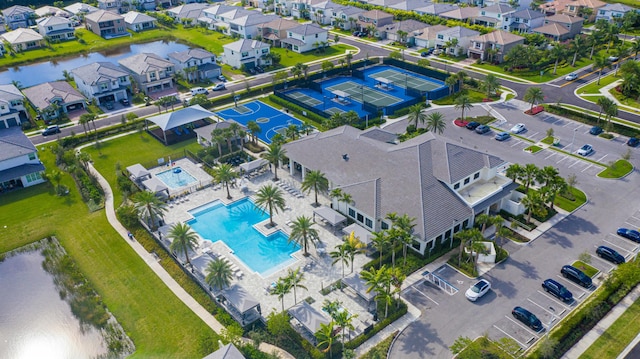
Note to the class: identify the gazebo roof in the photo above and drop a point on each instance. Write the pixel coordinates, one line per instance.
(138, 171)
(253, 165)
(361, 233)
(239, 298)
(174, 119)
(359, 286)
(308, 316)
(155, 185)
(331, 216)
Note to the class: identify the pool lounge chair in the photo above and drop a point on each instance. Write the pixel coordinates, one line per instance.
(186, 130)
(177, 131)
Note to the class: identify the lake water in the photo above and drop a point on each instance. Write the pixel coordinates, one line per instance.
(34, 321)
(34, 74)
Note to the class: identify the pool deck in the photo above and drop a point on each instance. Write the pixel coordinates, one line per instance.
(202, 177)
(317, 267)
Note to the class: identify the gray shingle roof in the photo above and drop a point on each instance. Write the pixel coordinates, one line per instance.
(10, 92)
(145, 62)
(134, 17)
(17, 10)
(406, 25)
(41, 95)
(459, 32)
(527, 14)
(219, 9)
(14, 143)
(21, 35)
(617, 7)
(191, 11)
(79, 7)
(184, 56)
(245, 45)
(307, 29)
(228, 351)
(436, 9)
(253, 18)
(498, 8)
(103, 15)
(53, 20)
(97, 72)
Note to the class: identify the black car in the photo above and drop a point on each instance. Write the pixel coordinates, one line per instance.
(472, 125)
(356, 33)
(124, 101)
(610, 254)
(482, 129)
(629, 234)
(596, 130)
(259, 69)
(424, 54)
(633, 142)
(576, 275)
(558, 290)
(51, 130)
(252, 71)
(527, 318)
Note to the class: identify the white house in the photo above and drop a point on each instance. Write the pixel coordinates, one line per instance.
(345, 17)
(103, 81)
(492, 16)
(201, 61)
(523, 21)
(461, 34)
(12, 110)
(250, 53)
(51, 99)
(305, 38)
(427, 36)
(47, 10)
(19, 162)
(187, 11)
(23, 39)
(246, 26)
(56, 28)
(320, 12)
(611, 12)
(152, 73)
(138, 22)
(80, 8)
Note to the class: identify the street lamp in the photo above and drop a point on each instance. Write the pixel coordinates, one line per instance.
(573, 139)
(553, 316)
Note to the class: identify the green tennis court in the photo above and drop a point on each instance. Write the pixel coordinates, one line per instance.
(359, 93)
(304, 98)
(333, 110)
(403, 80)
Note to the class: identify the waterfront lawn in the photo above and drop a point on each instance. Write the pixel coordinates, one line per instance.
(156, 320)
(290, 58)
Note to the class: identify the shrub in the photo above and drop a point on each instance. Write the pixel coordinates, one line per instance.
(395, 315)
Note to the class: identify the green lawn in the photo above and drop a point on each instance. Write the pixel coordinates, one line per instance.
(158, 322)
(586, 268)
(629, 101)
(594, 88)
(290, 58)
(619, 169)
(570, 205)
(533, 149)
(474, 96)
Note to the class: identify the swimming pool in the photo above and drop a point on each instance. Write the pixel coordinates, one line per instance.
(176, 177)
(233, 224)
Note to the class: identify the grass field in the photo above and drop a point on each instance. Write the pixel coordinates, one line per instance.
(594, 88)
(158, 322)
(474, 96)
(290, 58)
(569, 205)
(619, 169)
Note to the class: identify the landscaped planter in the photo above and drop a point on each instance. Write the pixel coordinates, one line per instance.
(460, 123)
(534, 111)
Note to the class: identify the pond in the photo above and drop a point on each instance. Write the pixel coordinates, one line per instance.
(34, 74)
(34, 321)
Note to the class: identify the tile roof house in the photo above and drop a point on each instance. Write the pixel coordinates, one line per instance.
(374, 19)
(12, 110)
(428, 35)
(523, 21)
(80, 8)
(493, 16)
(212, 17)
(52, 99)
(187, 11)
(195, 64)
(103, 81)
(411, 29)
(384, 3)
(276, 30)
(560, 27)
(500, 42)
(23, 39)
(19, 162)
(435, 9)
(246, 26)
(410, 5)
(611, 12)
(572, 7)
(106, 24)
(442, 185)
(462, 14)
(139, 22)
(56, 28)
(47, 10)
(116, 6)
(151, 73)
(305, 38)
(320, 12)
(461, 34)
(18, 16)
(345, 17)
(250, 53)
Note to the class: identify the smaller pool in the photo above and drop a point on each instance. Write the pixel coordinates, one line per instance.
(176, 177)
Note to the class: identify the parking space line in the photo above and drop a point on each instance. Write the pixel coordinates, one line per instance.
(419, 291)
(634, 217)
(551, 155)
(575, 163)
(613, 244)
(531, 136)
(547, 310)
(562, 159)
(562, 304)
(584, 290)
(529, 330)
(611, 265)
(516, 143)
(600, 160)
(507, 334)
(586, 168)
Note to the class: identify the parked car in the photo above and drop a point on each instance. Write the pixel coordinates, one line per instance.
(633, 142)
(424, 54)
(478, 290)
(109, 105)
(51, 130)
(356, 33)
(572, 76)
(482, 129)
(219, 86)
(585, 150)
(222, 78)
(528, 318)
(502, 136)
(362, 34)
(259, 69)
(558, 290)
(612, 58)
(518, 128)
(629, 234)
(199, 91)
(596, 130)
(610, 254)
(437, 52)
(252, 71)
(125, 101)
(576, 275)
(472, 125)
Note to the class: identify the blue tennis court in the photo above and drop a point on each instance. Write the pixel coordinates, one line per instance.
(271, 121)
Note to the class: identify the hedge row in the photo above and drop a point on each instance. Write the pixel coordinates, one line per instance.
(317, 119)
(356, 342)
(591, 120)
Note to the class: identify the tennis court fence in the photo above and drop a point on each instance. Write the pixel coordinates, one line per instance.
(438, 75)
(297, 102)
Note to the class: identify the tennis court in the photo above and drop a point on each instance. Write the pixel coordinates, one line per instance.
(271, 121)
(305, 98)
(406, 79)
(362, 93)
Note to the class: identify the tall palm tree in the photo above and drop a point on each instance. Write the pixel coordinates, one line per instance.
(482, 219)
(183, 239)
(219, 274)
(275, 153)
(461, 76)
(316, 181)
(404, 226)
(353, 246)
(514, 172)
(149, 206)
(605, 103)
(326, 337)
(416, 115)
(269, 198)
(344, 320)
(578, 46)
(451, 81)
(435, 122)
(599, 63)
(533, 96)
(295, 278)
(463, 102)
(612, 111)
(254, 130)
(547, 174)
(303, 233)
(490, 85)
(534, 204)
(378, 280)
(223, 173)
(557, 53)
(380, 241)
(282, 288)
(530, 173)
(466, 236)
(341, 255)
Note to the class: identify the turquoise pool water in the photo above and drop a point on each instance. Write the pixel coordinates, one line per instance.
(233, 225)
(176, 180)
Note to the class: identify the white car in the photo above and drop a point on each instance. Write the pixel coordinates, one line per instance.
(518, 128)
(219, 86)
(612, 58)
(571, 76)
(199, 91)
(585, 150)
(478, 290)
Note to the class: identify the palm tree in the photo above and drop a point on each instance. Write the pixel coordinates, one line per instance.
(183, 239)
(380, 241)
(344, 320)
(353, 246)
(275, 153)
(340, 255)
(303, 233)
(223, 173)
(461, 76)
(149, 206)
(467, 236)
(534, 204)
(599, 63)
(404, 228)
(483, 219)
(435, 122)
(605, 103)
(317, 181)
(463, 102)
(326, 336)
(547, 174)
(270, 198)
(556, 186)
(416, 115)
(490, 85)
(477, 248)
(529, 173)
(514, 172)
(578, 45)
(558, 53)
(282, 288)
(294, 278)
(533, 95)
(612, 111)
(377, 280)
(451, 81)
(219, 274)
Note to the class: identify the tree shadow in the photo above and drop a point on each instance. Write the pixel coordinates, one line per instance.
(420, 340)
(574, 225)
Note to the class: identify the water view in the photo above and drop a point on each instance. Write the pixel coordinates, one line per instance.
(34, 74)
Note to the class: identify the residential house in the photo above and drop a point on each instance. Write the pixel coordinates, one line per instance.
(116, 6)
(150, 5)
(195, 64)
(23, 39)
(52, 99)
(428, 35)
(56, 28)
(18, 16)
(409, 29)
(103, 82)
(19, 162)
(246, 26)
(493, 46)
(305, 38)
(560, 27)
(282, 7)
(384, 3)
(345, 17)
(250, 53)
(12, 110)
(276, 30)
(572, 7)
(106, 24)
(410, 5)
(372, 20)
(212, 16)
(523, 21)
(459, 35)
(151, 73)
(47, 10)
(320, 12)
(611, 12)
(493, 16)
(435, 9)
(443, 185)
(136, 21)
(187, 13)
(80, 9)
(263, 5)
(464, 14)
